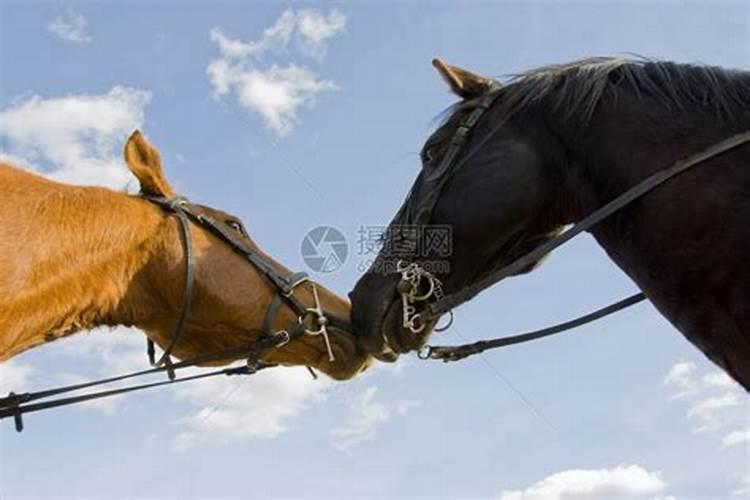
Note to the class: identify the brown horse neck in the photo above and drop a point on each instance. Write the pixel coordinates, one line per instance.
(70, 259)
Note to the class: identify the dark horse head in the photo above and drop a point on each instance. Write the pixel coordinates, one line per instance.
(515, 163)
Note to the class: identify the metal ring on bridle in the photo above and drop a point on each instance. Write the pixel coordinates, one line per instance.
(412, 275)
(415, 289)
(417, 324)
(451, 317)
(424, 352)
(319, 319)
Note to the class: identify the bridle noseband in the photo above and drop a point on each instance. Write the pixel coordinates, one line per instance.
(237, 239)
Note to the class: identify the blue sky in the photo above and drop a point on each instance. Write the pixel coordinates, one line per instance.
(319, 121)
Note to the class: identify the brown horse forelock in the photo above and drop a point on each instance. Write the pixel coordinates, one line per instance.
(73, 258)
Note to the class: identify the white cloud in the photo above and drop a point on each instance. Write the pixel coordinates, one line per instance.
(736, 437)
(276, 37)
(623, 481)
(78, 137)
(265, 405)
(366, 416)
(103, 352)
(255, 408)
(681, 377)
(275, 92)
(118, 350)
(71, 27)
(719, 380)
(706, 408)
(744, 490)
(99, 353)
(14, 376)
(315, 29)
(714, 400)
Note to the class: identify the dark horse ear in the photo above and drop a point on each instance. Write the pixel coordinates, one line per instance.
(463, 82)
(144, 161)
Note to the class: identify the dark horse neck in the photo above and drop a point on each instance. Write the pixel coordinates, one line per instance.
(686, 244)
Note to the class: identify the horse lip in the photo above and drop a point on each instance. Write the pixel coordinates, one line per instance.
(391, 313)
(349, 357)
(386, 353)
(369, 312)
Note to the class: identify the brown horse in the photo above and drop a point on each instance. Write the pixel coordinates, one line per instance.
(554, 145)
(74, 258)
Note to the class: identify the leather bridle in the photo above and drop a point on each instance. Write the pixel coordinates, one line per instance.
(311, 320)
(437, 303)
(236, 237)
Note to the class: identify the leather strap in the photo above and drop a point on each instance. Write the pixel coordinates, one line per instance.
(187, 291)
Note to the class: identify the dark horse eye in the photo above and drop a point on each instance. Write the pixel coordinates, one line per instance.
(429, 155)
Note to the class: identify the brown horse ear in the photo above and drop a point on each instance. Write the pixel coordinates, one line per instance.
(144, 161)
(463, 82)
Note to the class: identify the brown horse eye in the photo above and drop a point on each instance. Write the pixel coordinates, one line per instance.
(236, 226)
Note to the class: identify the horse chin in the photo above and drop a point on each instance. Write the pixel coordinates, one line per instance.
(349, 359)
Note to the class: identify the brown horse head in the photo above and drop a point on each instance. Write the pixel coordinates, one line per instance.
(80, 257)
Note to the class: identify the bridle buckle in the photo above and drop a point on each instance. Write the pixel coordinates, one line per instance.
(284, 337)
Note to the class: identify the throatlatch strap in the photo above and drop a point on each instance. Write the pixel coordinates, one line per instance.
(151, 351)
(271, 312)
(187, 293)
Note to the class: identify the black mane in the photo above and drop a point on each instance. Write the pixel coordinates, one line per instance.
(577, 88)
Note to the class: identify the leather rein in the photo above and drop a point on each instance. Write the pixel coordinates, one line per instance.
(415, 279)
(234, 235)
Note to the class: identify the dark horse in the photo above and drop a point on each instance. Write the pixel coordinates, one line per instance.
(559, 142)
